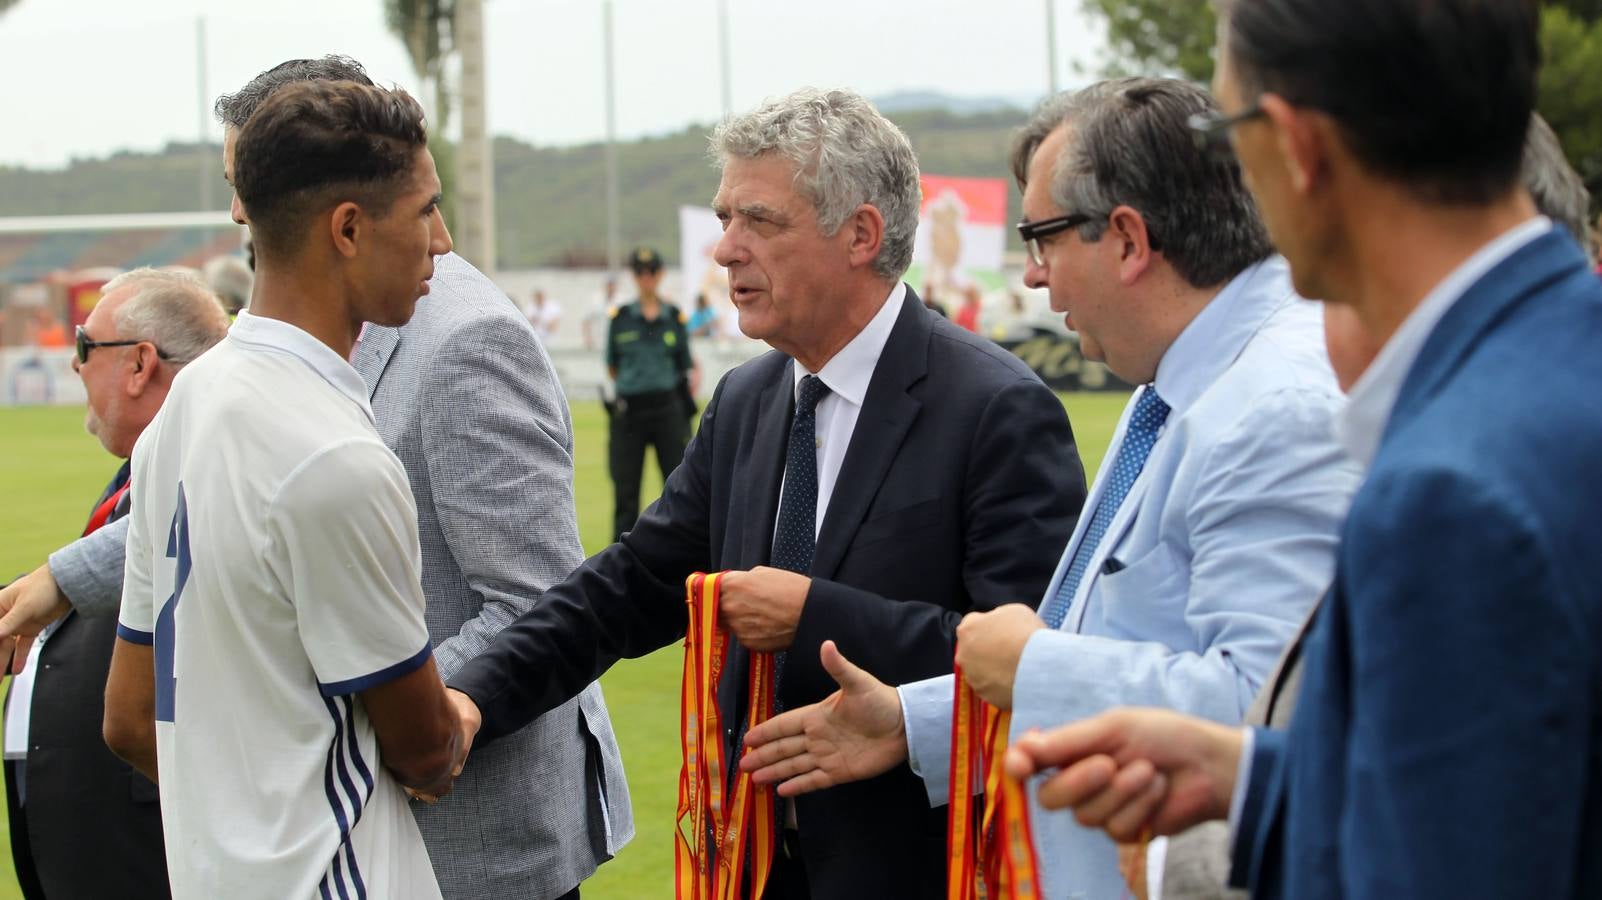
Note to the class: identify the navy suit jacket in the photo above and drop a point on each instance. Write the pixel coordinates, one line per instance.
(959, 485)
(1448, 740)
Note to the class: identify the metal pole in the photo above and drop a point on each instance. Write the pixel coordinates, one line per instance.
(475, 162)
(723, 53)
(204, 109)
(613, 240)
(1051, 45)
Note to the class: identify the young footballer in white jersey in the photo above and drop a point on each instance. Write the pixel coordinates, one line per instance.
(273, 666)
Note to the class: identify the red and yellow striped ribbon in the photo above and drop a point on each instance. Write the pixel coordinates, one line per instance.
(991, 857)
(717, 827)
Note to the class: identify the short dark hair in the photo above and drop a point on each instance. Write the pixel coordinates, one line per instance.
(1129, 145)
(1435, 95)
(315, 144)
(234, 110)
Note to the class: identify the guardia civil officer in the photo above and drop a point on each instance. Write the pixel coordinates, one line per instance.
(648, 357)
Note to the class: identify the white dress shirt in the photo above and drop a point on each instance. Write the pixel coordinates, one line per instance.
(847, 375)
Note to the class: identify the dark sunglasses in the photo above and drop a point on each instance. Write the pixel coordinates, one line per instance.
(82, 344)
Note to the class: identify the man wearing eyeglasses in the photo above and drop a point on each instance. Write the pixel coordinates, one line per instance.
(65, 790)
(1211, 527)
(1447, 740)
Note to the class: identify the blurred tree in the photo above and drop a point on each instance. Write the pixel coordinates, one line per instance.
(1589, 10)
(425, 28)
(1171, 37)
(1571, 87)
(1176, 37)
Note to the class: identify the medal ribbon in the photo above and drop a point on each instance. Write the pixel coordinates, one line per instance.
(716, 826)
(991, 856)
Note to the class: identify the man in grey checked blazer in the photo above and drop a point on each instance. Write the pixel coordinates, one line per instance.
(466, 397)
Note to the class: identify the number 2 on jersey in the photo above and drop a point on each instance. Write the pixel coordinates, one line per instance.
(166, 623)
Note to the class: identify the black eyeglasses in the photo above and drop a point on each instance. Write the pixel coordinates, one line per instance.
(1033, 232)
(83, 345)
(1210, 131)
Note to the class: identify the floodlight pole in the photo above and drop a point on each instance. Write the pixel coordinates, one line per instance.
(203, 106)
(1051, 45)
(723, 53)
(475, 158)
(613, 241)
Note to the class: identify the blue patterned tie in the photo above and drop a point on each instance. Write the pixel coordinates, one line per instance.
(795, 535)
(1150, 414)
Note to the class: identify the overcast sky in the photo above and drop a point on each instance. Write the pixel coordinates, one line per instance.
(83, 78)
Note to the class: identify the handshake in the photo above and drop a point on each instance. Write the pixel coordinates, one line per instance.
(428, 783)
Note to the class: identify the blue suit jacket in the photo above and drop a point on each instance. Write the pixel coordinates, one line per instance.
(1448, 742)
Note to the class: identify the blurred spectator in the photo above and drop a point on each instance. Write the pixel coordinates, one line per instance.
(933, 304)
(231, 279)
(704, 321)
(47, 330)
(546, 317)
(600, 314)
(1012, 324)
(968, 312)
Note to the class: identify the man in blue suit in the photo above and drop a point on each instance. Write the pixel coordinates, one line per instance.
(1448, 741)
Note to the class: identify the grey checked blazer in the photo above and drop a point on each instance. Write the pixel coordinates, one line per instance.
(467, 398)
(1196, 866)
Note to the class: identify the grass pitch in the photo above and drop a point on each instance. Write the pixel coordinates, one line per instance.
(51, 471)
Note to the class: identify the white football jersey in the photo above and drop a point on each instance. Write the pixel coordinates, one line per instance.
(273, 565)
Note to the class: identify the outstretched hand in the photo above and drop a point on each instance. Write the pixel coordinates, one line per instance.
(27, 605)
(1130, 770)
(855, 733)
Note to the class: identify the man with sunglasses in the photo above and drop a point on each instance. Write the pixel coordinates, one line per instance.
(65, 790)
(1211, 528)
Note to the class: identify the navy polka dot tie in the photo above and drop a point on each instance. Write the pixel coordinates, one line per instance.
(1150, 414)
(794, 537)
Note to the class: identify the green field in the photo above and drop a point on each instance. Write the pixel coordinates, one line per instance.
(50, 471)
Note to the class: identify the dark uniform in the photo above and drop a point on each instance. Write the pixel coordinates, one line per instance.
(651, 358)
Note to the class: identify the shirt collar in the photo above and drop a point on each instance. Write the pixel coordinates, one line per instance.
(848, 372)
(1368, 408)
(1218, 334)
(276, 334)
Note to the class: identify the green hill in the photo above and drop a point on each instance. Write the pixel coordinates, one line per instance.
(550, 201)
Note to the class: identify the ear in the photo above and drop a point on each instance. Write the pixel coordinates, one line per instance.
(865, 230)
(1303, 138)
(142, 369)
(346, 226)
(1127, 228)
